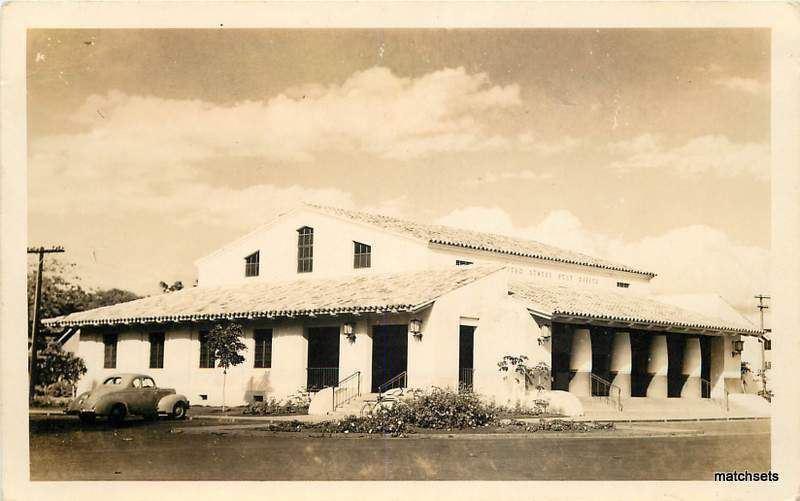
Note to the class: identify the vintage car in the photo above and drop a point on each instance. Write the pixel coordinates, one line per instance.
(121, 395)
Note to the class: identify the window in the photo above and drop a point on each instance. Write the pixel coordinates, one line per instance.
(148, 382)
(157, 350)
(305, 250)
(207, 359)
(251, 265)
(113, 381)
(362, 255)
(623, 285)
(110, 351)
(263, 356)
(463, 263)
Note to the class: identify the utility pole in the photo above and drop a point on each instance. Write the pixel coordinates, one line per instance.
(761, 307)
(41, 251)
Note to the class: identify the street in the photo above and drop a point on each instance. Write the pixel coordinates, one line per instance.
(62, 449)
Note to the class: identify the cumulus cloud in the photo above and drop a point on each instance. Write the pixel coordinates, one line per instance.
(710, 153)
(746, 85)
(689, 259)
(374, 112)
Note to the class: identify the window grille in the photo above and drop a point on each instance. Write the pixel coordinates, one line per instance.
(305, 250)
(251, 263)
(362, 255)
(157, 350)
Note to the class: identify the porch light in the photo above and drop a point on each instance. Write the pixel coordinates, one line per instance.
(415, 328)
(349, 331)
(543, 339)
(738, 346)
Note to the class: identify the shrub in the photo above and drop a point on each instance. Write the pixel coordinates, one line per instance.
(296, 403)
(445, 408)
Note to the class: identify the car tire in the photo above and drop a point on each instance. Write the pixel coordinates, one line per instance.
(178, 410)
(117, 414)
(86, 418)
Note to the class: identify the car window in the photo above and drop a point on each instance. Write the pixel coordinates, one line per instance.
(113, 380)
(148, 382)
(137, 383)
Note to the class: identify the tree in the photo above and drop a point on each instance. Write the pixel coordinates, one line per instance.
(176, 286)
(62, 294)
(58, 366)
(225, 342)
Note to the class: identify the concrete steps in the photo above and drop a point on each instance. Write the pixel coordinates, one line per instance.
(669, 408)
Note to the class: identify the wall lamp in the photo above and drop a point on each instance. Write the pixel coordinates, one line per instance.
(349, 330)
(415, 328)
(738, 346)
(543, 340)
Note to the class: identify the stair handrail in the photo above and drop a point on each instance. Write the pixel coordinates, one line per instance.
(616, 401)
(390, 383)
(343, 388)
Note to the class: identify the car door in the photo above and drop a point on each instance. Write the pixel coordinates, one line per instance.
(134, 397)
(150, 395)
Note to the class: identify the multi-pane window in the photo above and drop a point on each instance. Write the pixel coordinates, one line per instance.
(263, 355)
(362, 255)
(623, 285)
(110, 351)
(157, 350)
(460, 262)
(251, 265)
(305, 250)
(207, 359)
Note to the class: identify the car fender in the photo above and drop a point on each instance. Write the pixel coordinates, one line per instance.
(104, 405)
(166, 403)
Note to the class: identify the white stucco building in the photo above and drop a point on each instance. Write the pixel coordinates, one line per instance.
(326, 293)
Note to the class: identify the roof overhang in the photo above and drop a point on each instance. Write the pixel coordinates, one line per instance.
(637, 324)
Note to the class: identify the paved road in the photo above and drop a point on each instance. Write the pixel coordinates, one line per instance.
(61, 449)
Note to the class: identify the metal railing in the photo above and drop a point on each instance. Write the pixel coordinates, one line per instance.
(347, 389)
(465, 378)
(610, 393)
(321, 377)
(705, 392)
(399, 381)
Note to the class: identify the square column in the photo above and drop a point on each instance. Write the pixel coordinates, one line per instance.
(580, 361)
(621, 361)
(691, 368)
(658, 365)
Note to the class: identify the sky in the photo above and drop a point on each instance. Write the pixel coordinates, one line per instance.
(148, 149)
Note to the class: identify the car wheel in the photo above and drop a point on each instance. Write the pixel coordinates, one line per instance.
(179, 410)
(117, 414)
(86, 418)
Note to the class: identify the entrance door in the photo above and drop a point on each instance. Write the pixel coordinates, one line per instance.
(323, 357)
(466, 351)
(389, 353)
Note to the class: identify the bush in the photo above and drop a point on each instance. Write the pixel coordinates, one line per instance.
(296, 403)
(445, 408)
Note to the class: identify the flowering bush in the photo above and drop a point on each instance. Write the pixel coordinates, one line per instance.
(535, 375)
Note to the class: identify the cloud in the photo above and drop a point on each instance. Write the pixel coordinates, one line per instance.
(746, 85)
(689, 259)
(524, 174)
(374, 112)
(711, 153)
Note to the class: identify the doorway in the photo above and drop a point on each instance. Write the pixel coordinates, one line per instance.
(389, 353)
(323, 358)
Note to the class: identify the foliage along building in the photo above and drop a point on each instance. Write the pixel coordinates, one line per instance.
(326, 293)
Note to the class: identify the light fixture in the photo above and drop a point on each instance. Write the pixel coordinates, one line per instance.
(349, 330)
(415, 328)
(738, 346)
(543, 339)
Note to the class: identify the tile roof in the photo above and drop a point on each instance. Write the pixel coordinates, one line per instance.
(564, 301)
(475, 240)
(354, 294)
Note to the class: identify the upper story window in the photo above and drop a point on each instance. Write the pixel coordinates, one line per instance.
(459, 262)
(251, 265)
(362, 255)
(157, 350)
(623, 285)
(305, 250)
(110, 351)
